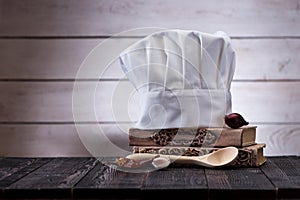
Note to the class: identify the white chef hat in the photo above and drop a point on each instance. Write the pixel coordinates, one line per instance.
(183, 78)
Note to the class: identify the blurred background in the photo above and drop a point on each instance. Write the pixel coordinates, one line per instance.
(44, 42)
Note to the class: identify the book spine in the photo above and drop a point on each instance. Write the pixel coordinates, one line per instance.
(247, 157)
(200, 137)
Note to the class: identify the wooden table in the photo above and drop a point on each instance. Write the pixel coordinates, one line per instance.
(88, 178)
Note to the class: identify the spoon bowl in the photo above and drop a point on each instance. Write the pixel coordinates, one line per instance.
(218, 158)
(160, 162)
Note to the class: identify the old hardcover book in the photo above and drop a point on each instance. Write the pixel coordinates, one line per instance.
(195, 137)
(250, 156)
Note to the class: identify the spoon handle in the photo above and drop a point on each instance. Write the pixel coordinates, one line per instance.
(172, 158)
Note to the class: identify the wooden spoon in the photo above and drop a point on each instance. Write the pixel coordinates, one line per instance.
(217, 158)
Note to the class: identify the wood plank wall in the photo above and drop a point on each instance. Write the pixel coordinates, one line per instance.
(43, 43)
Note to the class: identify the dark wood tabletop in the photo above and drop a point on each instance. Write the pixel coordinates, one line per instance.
(88, 178)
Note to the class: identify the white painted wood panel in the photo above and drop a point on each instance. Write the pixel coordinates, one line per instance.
(264, 102)
(64, 140)
(265, 59)
(274, 102)
(40, 140)
(100, 17)
(280, 139)
(49, 39)
(262, 59)
(42, 59)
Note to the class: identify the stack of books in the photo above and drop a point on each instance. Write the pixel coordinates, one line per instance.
(200, 141)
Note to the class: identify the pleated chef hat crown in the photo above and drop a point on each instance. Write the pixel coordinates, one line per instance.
(182, 77)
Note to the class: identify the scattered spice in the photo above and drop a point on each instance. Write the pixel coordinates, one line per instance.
(131, 163)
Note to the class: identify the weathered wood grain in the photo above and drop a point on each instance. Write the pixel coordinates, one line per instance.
(285, 175)
(44, 59)
(12, 169)
(176, 178)
(10, 166)
(176, 181)
(97, 17)
(118, 101)
(85, 178)
(249, 183)
(42, 140)
(53, 180)
(106, 181)
(58, 173)
(107, 176)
